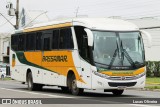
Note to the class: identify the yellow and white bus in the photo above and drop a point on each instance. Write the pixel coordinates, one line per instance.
(78, 54)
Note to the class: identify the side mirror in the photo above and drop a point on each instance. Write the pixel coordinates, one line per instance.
(90, 36)
(148, 37)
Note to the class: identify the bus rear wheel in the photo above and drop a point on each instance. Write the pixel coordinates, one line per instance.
(73, 87)
(33, 86)
(117, 92)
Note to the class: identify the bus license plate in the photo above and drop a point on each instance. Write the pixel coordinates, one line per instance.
(121, 87)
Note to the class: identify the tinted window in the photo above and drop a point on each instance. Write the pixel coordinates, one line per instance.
(30, 41)
(82, 42)
(47, 41)
(65, 40)
(46, 44)
(38, 41)
(14, 42)
(55, 39)
(21, 42)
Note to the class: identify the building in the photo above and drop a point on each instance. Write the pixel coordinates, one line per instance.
(152, 26)
(4, 47)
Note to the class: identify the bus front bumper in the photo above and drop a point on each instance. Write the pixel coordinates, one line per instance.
(103, 83)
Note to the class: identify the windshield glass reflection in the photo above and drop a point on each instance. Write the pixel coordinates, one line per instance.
(118, 49)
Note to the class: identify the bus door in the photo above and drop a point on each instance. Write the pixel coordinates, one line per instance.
(85, 65)
(49, 75)
(86, 74)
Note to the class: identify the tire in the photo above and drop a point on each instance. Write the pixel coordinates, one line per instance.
(39, 87)
(65, 89)
(33, 86)
(117, 92)
(73, 86)
(22, 82)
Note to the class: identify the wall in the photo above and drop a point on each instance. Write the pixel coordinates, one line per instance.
(4, 43)
(153, 53)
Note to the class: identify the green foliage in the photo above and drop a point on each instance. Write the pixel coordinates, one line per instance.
(153, 68)
(152, 87)
(153, 80)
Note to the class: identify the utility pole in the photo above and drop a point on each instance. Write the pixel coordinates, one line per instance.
(77, 11)
(17, 15)
(14, 12)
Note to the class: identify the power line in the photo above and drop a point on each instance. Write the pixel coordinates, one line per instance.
(35, 19)
(6, 22)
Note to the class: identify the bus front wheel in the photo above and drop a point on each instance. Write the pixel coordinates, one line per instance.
(117, 92)
(33, 86)
(74, 89)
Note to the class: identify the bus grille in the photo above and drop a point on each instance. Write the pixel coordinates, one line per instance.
(116, 84)
(120, 78)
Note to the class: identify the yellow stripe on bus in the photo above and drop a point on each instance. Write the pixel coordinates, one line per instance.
(124, 73)
(48, 27)
(61, 67)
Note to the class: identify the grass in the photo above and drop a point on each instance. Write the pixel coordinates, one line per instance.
(152, 83)
(152, 87)
(153, 80)
(7, 78)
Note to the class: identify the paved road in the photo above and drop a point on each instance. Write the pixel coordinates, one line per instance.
(14, 89)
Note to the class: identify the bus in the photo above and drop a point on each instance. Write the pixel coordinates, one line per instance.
(80, 53)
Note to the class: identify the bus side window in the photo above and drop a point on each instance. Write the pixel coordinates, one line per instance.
(38, 41)
(82, 42)
(68, 39)
(46, 44)
(14, 42)
(65, 40)
(30, 41)
(21, 42)
(85, 48)
(55, 38)
(47, 40)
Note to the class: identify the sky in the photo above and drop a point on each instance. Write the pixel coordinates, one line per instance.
(127, 9)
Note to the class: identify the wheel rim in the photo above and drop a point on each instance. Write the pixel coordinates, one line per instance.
(74, 85)
(29, 83)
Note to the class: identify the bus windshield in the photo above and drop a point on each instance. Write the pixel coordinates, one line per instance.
(118, 50)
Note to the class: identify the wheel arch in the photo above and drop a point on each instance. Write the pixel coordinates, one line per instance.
(28, 71)
(69, 75)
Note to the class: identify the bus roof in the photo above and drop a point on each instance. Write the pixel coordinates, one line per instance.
(92, 23)
(106, 24)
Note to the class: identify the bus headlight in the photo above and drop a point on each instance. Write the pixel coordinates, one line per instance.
(100, 74)
(141, 75)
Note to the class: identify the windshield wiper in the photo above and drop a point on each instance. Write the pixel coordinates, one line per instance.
(139, 64)
(114, 56)
(100, 63)
(125, 53)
